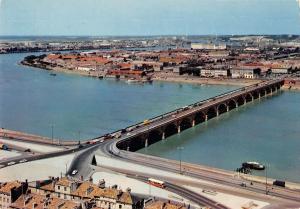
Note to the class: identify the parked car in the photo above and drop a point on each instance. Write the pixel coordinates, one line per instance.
(11, 163)
(74, 172)
(23, 161)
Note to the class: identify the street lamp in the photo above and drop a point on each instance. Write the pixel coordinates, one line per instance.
(52, 132)
(180, 148)
(266, 167)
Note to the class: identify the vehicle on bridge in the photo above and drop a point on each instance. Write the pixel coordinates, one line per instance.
(146, 122)
(157, 183)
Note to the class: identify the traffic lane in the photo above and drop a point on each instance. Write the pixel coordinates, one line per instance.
(82, 161)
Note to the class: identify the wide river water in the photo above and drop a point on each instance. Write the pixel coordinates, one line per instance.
(267, 131)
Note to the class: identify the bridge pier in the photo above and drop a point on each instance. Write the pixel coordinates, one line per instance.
(178, 129)
(163, 136)
(217, 113)
(146, 142)
(227, 108)
(206, 117)
(193, 123)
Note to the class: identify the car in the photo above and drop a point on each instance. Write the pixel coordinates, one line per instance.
(128, 134)
(102, 140)
(23, 161)
(243, 184)
(74, 172)
(11, 163)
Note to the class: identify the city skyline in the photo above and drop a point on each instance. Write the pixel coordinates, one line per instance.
(132, 17)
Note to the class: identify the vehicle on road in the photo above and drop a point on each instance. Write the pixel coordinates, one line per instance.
(157, 183)
(243, 184)
(101, 141)
(11, 163)
(23, 161)
(74, 172)
(209, 192)
(279, 183)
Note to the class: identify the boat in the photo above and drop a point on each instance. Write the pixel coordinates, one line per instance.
(53, 74)
(253, 165)
(132, 80)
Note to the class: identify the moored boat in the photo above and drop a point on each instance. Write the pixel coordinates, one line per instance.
(253, 165)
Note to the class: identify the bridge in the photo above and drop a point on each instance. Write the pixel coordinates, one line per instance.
(144, 134)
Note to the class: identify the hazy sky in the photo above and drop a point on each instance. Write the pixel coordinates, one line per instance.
(148, 17)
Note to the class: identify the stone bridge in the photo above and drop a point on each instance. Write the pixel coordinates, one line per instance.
(163, 126)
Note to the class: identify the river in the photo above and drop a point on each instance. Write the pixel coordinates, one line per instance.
(79, 107)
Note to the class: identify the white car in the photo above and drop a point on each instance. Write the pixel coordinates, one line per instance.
(11, 163)
(74, 172)
(102, 140)
(23, 161)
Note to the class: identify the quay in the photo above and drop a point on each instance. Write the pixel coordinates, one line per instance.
(26, 137)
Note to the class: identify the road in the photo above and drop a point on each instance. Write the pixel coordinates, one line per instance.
(109, 148)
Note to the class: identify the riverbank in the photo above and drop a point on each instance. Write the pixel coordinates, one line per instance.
(205, 81)
(165, 77)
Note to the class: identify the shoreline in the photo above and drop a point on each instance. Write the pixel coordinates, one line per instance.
(171, 78)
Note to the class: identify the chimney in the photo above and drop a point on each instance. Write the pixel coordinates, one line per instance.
(34, 205)
(101, 184)
(89, 190)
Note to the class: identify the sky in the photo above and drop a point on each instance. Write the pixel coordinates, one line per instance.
(148, 17)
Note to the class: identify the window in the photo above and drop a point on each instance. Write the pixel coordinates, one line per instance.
(120, 206)
(65, 196)
(58, 195)
(58, 187)
(65, 188)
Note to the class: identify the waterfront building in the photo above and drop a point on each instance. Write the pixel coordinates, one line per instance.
(208, 46)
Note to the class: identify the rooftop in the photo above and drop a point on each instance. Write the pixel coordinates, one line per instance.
(8, 186)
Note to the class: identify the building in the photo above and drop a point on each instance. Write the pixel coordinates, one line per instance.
(216, 73)
(9, 192)
(202, 46)
(245, 73)
(79, 191)
(37, 201)
(163, 205)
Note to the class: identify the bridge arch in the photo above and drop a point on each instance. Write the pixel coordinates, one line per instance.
(170, 130)
(240, 100)
(273, 88)
(262, 92)
(268, 90)
(185, 124)
(211, 113)
(248, 97)
(222, 108)
(231, 104)
(199, 117)
(154, 136)
(255, 94)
